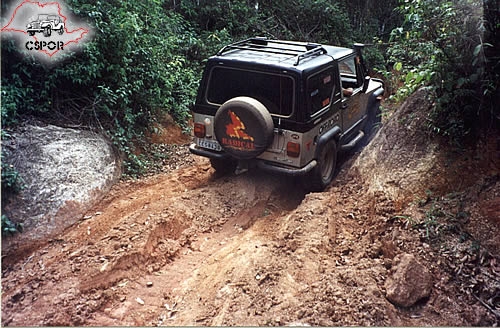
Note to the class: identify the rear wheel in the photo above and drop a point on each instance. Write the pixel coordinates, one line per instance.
(322, 175)
(223, 166)
(47, 31)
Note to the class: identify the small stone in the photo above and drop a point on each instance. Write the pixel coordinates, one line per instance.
(139, 300)
(104, 266)
(149, 284)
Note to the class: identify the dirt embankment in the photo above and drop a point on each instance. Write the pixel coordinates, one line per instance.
(190, 248)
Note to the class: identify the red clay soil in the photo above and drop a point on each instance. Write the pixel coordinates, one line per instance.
(187, 247)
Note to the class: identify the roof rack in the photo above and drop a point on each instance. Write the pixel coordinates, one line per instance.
(262, 44)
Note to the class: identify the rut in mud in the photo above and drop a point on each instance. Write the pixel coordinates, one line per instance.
(187, 247)
(162, 227)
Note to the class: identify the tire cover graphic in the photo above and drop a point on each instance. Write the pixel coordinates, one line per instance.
(243, 127)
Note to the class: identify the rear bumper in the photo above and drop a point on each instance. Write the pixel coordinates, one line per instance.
(261, 164)
(193, 148)
(266, 166)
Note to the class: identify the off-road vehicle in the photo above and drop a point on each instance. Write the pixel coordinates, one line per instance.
(284, 106)
(46, 24)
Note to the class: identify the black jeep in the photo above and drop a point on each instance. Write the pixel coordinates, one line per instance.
(284, 106)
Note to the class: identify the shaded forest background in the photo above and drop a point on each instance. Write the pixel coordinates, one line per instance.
(146, 59)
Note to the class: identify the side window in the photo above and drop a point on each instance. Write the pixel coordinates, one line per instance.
(320, 90)
(348, 74)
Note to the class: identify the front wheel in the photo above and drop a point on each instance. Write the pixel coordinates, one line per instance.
(322, 175)
(373, 121)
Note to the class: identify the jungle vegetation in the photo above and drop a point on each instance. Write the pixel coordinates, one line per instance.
(146, 58)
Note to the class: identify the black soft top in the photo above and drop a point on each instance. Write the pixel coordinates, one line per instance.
(292, 55)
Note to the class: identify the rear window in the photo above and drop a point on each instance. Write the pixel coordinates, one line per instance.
(275, 91)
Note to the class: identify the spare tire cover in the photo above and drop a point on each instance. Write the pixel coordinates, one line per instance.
(244, 127)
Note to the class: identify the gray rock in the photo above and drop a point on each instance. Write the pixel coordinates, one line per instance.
(409, 281)
(65, 171)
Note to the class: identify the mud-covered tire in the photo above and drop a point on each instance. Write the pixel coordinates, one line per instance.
(243, 127)
(373, 121)
(223, 166)
(323, 173)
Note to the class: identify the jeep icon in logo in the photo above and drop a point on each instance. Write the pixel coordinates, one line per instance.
(46, 24)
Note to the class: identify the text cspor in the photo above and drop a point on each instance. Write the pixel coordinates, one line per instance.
(42, 45)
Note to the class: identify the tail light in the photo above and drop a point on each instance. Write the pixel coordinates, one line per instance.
(199, 130)
(293, 149)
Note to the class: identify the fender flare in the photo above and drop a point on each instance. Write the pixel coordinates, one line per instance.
(324, 138)
(374, 98)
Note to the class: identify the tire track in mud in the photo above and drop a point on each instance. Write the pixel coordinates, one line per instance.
(223, 209)
(189, 248)
(168, 223)
(211, 215)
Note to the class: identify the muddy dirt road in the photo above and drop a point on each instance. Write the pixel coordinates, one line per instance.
(186, 247)
(189, 248)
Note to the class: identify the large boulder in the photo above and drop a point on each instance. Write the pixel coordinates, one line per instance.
(403, 160)
(409, 281)
(64, 172)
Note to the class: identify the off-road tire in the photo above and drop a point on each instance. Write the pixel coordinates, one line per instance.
(373, 121)
(323, 173)
(223, 166)
(61, 31)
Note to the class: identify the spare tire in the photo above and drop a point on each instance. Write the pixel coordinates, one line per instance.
(244, 127)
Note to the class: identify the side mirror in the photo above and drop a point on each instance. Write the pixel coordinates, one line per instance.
(365, 83)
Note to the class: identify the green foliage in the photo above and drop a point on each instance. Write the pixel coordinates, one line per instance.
(11, 183)
(10, 177)
(292, 20)
(145, 59)
(8, 227)
(440, 44)
(374, 58)
(337, 22)
(11, 180)
(135, 69)
(237, 16)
